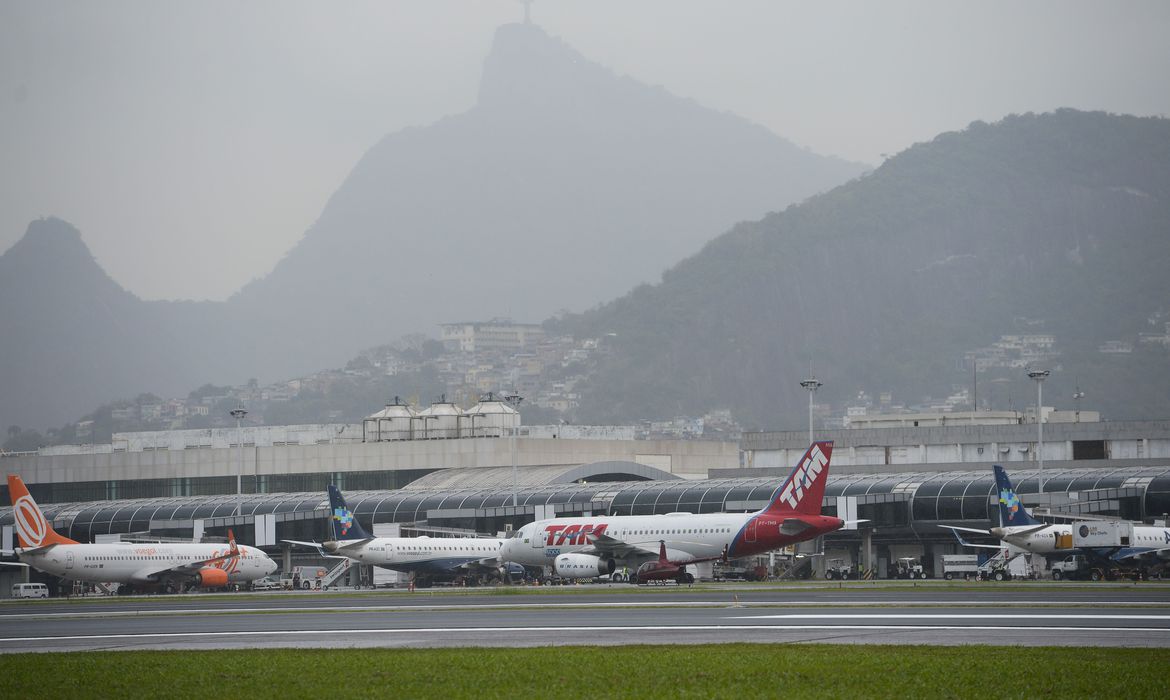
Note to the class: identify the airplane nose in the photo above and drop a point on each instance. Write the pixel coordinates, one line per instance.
(269, 567)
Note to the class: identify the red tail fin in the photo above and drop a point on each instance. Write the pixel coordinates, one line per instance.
(662, 552)
(804, 489)
(32, 530)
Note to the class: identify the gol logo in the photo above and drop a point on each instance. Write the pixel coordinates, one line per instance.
(30, 523)
(229, 565)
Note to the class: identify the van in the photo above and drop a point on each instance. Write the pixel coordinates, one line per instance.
(30, 590)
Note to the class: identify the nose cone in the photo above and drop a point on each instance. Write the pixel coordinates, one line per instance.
(269, 567)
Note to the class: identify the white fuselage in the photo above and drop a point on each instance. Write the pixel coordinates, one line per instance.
(688, 537)
(144, 563)
(427, 554)
(1058, 537)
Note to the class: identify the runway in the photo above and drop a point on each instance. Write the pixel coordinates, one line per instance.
(590, 615)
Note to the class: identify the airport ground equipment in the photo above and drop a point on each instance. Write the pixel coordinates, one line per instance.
(965, 566)
(908, 567)
(839, 570)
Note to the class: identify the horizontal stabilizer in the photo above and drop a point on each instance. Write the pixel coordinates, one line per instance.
(793, 526)
(955, 531)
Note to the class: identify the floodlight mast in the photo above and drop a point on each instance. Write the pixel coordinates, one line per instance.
(238, 414)
(1038, 376)
(811, 384)
(514, 400)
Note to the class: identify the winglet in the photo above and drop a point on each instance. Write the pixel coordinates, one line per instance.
(32, 530)
(345, 523)
(1011, 510)
(804, 489)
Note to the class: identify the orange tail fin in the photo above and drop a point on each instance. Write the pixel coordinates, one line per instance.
(32, 530)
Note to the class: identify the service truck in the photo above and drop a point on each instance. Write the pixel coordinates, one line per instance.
(964, 565)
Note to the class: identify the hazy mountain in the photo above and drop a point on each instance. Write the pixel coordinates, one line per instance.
(1057, 223)
(563, 186)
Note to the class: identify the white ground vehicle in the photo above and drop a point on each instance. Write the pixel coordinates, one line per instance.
(908, 567)
(965, 566)
(268, 583)
(30, 590)
(839, 569)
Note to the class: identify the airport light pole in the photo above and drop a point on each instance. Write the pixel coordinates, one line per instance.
(811, 384)
(1077, 396)
(238, 414)
(1038, 376)
(514, 400)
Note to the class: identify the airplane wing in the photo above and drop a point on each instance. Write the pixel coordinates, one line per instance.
(488, 563)
(604, 545)
(13, 563)
(1137, 553)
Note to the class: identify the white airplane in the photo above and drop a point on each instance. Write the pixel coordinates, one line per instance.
(168, 565)
(424, 558)
(593, 546)
(1019, 529)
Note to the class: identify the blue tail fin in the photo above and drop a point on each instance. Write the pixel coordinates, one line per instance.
(345, 524)
(1011, 510)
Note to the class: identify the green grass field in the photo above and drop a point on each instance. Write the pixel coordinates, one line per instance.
(701, 671)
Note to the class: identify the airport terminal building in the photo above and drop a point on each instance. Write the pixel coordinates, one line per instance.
(905, 480)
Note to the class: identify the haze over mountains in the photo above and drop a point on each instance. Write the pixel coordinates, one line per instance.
(1040, 224)
(565, 186)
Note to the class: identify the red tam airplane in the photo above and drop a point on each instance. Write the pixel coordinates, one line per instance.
(595, 546)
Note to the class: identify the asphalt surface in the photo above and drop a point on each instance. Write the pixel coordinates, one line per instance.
(1029, 615)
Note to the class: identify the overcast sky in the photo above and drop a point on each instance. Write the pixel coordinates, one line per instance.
(193, 143)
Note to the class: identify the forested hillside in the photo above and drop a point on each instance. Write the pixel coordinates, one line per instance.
(1056, 223)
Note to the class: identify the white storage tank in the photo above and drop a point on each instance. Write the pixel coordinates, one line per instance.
(394, 422)
(439, 420)
(491, 417)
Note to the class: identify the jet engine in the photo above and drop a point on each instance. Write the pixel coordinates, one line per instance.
(211, 577)
(582, 566)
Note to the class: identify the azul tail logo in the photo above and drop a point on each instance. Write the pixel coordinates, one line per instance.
(32, 530)
(804, 489)
(1011, 510)
(345, 525)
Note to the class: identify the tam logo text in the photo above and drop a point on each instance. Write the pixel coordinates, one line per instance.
(803, 477)
(571, 534)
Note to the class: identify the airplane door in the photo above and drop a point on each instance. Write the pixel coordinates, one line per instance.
(538, 539)
(749, 534)
(68, 560)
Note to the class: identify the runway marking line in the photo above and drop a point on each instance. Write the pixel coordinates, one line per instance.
(537, 606)
(644, 628)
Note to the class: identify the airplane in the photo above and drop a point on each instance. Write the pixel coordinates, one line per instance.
(424, 558)
(592, 546)
(662, 570)
(133, 564)
(1020, 529)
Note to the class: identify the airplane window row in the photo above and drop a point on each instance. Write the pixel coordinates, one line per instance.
(684, 531)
